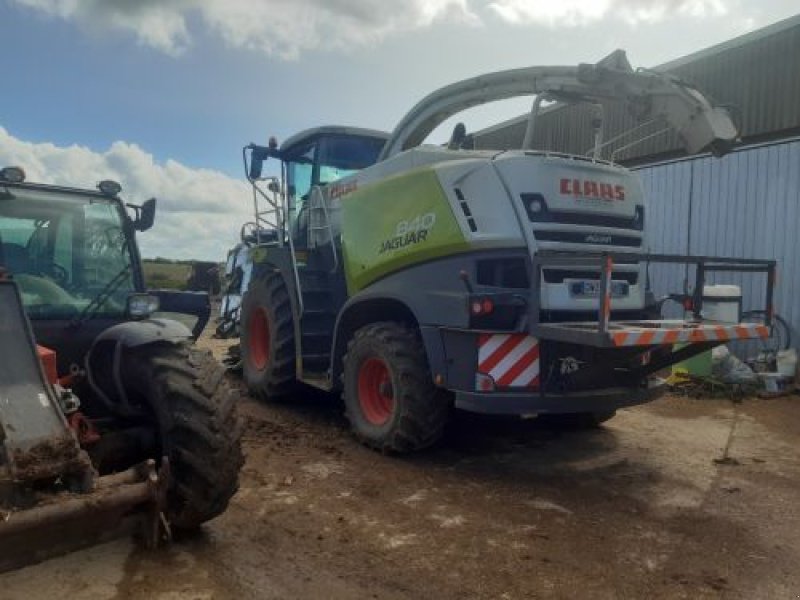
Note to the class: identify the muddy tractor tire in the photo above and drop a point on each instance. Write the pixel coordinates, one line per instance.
(389, 396)
(576, 421)
(267, 338)
(198, 428)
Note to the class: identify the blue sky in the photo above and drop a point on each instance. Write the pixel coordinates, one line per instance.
(163, 94)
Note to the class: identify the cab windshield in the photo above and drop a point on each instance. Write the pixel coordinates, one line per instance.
(65, 251)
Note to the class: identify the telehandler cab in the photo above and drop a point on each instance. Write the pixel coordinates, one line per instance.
(110, 418)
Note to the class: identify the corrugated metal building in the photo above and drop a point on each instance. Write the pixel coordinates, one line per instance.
(746, 204)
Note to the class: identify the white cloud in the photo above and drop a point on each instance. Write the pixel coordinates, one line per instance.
(566, 13)
(280, 27)
(161, 25)
(287, 28)
(199, 212)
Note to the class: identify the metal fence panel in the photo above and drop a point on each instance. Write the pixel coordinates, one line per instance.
(745, 205)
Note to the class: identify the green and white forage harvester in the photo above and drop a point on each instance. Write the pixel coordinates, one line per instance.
(413, 278)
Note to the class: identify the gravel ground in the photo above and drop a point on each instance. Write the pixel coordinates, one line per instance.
(678, 499)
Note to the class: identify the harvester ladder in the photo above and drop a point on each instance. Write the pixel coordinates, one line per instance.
(272, 216)
(319, 219)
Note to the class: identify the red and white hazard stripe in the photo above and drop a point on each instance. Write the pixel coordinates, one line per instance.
(510, 359)
(703, 333)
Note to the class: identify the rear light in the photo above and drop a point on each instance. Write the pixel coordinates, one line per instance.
(48, 359)
(479, 307)
(535, 206)
(484, 383)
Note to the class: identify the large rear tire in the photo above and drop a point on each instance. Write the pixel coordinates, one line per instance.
(198, 428)
(389, 396)
(267, 338)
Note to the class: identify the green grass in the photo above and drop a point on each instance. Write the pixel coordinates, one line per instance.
(160, 275)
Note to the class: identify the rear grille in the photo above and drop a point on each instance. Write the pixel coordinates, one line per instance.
(601, 239)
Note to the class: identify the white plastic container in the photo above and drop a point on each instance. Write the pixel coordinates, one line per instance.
(787, 362)
(722, 303)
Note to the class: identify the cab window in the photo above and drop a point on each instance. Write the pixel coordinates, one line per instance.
(66, 253)
(300, 176)
(340, 156)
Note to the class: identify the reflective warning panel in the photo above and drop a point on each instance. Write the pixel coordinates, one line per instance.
(510, 359)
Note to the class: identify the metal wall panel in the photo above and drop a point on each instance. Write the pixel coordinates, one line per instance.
(745, 205)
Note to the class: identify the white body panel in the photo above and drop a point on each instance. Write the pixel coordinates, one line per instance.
(494, 191)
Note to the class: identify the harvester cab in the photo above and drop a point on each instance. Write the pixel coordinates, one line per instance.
(291, 209)
(109, 416)
(500, 281)
(310, 161)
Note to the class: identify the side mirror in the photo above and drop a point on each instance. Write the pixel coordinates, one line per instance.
(145, 215)
(258, 155)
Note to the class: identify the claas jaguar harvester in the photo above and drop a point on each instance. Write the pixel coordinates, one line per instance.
(414, 278)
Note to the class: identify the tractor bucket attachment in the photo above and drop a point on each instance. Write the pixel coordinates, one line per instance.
(51, 498)
(130, 502)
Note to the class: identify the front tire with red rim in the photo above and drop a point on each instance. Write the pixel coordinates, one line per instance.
(267, 337)
(390, 399)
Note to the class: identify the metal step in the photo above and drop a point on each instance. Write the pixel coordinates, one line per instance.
(319, 380)
(308, 276)
(318, 314)
(314, 286)
(317, 302)
(317, 335)
(316, 343)
(316, 361)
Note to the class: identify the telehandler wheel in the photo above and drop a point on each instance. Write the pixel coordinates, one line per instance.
(584, 420)
(198, 428)
(389, 397)
(267, 338)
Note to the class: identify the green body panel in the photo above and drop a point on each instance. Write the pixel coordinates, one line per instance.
(396, 223)
(259, 255)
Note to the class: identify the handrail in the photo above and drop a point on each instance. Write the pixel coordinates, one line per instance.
(296, 273)
(276, 210)
(604, 263)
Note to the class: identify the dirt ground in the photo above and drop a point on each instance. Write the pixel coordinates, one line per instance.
(678, 499)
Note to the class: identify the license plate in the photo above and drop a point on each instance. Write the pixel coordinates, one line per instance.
(591, 288)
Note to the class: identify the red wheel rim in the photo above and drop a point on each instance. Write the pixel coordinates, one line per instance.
(259, 339)
(375, 394)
